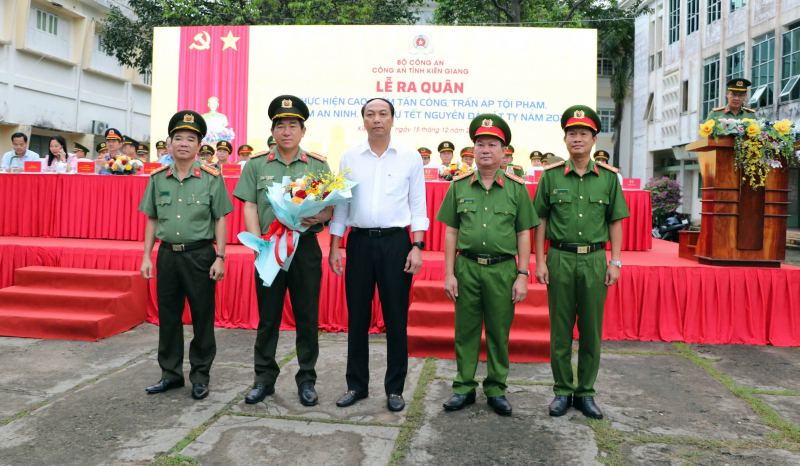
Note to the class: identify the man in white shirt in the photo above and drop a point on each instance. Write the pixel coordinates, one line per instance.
(536, 163)
(16, 158)
(389, 198)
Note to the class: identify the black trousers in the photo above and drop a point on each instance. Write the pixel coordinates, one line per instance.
(380, 261)
(182, 276)
(303, 280)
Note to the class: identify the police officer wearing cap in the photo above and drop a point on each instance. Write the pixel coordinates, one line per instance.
(142, 153)
(489, 215)
(244, 154)
(602, 156)
(508, 162)
(113, 143)
(446, 149)
(468, 157)
(186, 204)
(303, 279)
(737, 94)
(206, 155)
(581, 207)
(165, 156)
(271, 143)
(425, 153)
(101, 159)
(536, 163)
(224, 151)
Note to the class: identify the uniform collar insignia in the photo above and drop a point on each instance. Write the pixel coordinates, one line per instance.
(197, 172)
(169, 172)
(472, 180)
(303, 157)
(500, 180)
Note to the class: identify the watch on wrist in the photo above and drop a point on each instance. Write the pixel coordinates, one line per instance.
(524, 272)
(419, 244)
(222, 256)
(617, 263)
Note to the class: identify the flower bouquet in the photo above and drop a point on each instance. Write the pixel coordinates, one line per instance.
(453, 170)
(759, 145)
(217, 135)
(121, 165)
(292, 201)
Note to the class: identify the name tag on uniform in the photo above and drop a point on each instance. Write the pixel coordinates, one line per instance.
(466, 201)
(267, 178)
(561, 191)
(165, 193)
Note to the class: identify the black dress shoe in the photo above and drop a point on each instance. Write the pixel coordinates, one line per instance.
(395, 402)
(164, 385)
(500, 404)
(308, 396)
(199, 391)
(350, 397)
(258, 393)
(585, 404)
(458, 402)
(560, 405)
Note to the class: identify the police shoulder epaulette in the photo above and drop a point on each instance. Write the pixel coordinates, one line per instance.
(513, 177)
(558, 164)
(462, 176)
(321, 158)
(608, 167)
(749, 109)
(259, 154)
(159, 169)
(717, 109)
(210, 170)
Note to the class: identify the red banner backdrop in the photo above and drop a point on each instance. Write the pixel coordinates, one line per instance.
(214, 62)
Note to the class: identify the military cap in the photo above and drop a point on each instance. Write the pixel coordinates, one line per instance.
(225, 145)
(113, 133)
(187, 119)
(81, 148)
(142, 149)
(129, 140)
(206, 149)
(601, 154)
(285, 106)
(424, 151)
(491, 125)
(446, 145)
(509, 150)
(101, 147)
(467, 151)
(547, 156)
(551, 159)
(271, 141)
(161, 145)
(536, 155)
(245, 149)
(581, 115)
(739, 84)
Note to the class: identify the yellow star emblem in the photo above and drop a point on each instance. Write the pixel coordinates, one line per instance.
(230, 41)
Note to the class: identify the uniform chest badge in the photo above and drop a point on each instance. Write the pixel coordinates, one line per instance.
(561, 191)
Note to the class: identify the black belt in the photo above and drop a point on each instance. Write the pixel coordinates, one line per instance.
(485, 259)
(377, 232)
(580, 249)
(189, 246)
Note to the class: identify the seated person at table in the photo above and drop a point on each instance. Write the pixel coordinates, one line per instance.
(206, 155)
(102, 158)
(446, 152)
(15, 159)
(79, 152)
(602, 157)
(113, 143)
(536, 163)
(468, 157)
(129, 147)
(224, 151)
(166, 157)
(161, 149)
(244, 154)
(142, 156)
(57, 153)
(425, 153)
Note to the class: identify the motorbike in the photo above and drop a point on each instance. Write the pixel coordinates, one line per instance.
(668, 231)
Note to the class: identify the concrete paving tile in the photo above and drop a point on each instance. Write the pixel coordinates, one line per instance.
(671, 396)
(787, 406)
(658, 454)
(478, 436)
(34, 370)
(239, 440)
(761, 367)
(331, 384)
(530, 372)
(342, 336)
(639, 346)
(114, 421)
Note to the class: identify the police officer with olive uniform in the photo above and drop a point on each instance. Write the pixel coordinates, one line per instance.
(271, 143)
(737, 94)
(581, 207)
(602, 156)
(186, 204)
(446, 149)
(509, 160)
(206, 154)
(489, 215)
(303, 279)
(468, 157)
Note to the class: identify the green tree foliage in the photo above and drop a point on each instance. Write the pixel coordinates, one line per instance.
(130, 39)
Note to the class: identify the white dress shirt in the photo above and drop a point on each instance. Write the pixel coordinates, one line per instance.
(390, 191)
(532, 171)
(29, 156)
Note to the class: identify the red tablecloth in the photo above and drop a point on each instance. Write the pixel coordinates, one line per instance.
(105, 207)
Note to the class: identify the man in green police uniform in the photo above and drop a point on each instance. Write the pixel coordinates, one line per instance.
(468, 157)
(489, 216)
(581, 207)
(508, 162)
(271, 143)
(206, 155)
(186, 204)
(446, 149)
(303, 279)
(737, 94)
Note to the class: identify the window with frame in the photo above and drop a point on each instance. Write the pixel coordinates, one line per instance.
(736, 4)
(734, 63)
(604, 67)
(606, 121)
(692, 16)
(714, 11)
(47, 22)
(790, 70)
(674, 21)
(146, 78)
(763, 70)
(710, 84)
(48, 33)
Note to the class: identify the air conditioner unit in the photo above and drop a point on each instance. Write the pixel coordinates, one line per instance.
(99, 127)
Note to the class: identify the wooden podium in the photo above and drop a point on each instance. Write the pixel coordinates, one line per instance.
(740, 226)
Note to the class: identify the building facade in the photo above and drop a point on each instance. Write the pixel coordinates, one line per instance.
(55, 78)
(686, 51)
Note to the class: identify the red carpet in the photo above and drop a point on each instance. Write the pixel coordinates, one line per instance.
(72, 304)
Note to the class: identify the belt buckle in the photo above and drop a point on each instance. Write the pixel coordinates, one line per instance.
(179, 247)
(483, 260)
(583, 249)
(376, 235)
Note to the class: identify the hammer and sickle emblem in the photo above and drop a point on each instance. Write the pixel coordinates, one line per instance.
(202, 41)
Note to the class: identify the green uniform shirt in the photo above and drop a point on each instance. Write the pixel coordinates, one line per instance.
(186, 208)
(725, 112)
(579, 208)
(262, 170)
(488, 219)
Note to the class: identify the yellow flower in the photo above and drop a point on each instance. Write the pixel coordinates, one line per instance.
(706, 128)
(748, 120)
(753, 130)
(782, 127)
(297, 200)
(128, 167)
